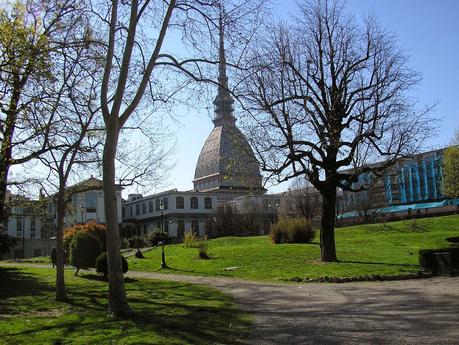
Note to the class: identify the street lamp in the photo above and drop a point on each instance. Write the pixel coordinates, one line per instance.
(273, 209)
(163, 257)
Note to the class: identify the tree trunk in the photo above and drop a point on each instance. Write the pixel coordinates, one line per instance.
(327, 226)
(60, 281)
(118, 305)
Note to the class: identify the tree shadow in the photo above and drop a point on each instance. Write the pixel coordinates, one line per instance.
(101, 278)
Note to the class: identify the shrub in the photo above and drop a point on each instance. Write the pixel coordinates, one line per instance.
(102, 264)
(190, 239)
(84, 250)
(202, 248)
(293, 230)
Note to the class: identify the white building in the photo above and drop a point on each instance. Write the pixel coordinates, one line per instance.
(176, 211)
(86, 203)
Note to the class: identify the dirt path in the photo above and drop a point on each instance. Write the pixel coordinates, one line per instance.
(424, 311)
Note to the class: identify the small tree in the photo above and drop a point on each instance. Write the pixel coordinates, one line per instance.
(451, 169)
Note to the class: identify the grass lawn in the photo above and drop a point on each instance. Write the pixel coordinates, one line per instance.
(362, 250)
(165, 312)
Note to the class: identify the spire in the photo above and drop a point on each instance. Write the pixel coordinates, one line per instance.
(223, 102)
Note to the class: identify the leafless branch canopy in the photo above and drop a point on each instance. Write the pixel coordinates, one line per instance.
(329, 98)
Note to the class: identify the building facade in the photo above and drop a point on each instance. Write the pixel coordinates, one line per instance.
(172, 211)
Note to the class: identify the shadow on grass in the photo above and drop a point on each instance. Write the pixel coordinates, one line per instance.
(164, 312)
(16, 282)
(101, 278)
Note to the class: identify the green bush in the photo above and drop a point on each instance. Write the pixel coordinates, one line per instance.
(292, 230)
(102, 264)
(84, 250)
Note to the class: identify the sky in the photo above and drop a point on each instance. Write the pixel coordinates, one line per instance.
(427, 29)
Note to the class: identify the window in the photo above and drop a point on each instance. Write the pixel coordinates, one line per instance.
(33, 224)
(123, 212)
(208, 203)
(90, 201)
(166, 203)
(130, 211)
(137, 209)
(32, 236)
(195, 226)
(157, 202)
(194, 202)
(19, 227)
(150, 206)
(144, 208)
(180, 228)
(179, 202)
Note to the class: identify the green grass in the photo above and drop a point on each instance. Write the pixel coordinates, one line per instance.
(165, 312)
(362, 250)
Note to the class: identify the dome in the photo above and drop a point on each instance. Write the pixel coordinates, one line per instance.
(227, 161)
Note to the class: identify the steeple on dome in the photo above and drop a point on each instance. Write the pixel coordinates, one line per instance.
(223, 102)
(226, 162)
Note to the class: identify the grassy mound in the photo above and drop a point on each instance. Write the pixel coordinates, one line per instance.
(365, 250)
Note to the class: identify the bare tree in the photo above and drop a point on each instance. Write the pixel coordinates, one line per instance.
(74, 137)
(330, 93)
(137, 66)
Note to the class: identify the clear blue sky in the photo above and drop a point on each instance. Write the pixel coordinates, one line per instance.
(427, 29)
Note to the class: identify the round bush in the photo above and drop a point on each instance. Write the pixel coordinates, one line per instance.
(84, 250)
(102, 264)
(292, 230)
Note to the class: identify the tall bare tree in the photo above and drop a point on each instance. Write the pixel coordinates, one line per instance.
(74, 137)
(329, 98)
(137, 68)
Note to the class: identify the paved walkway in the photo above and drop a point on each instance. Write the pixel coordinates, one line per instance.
(424, 311)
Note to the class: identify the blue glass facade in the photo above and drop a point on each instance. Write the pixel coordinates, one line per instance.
(416, 180)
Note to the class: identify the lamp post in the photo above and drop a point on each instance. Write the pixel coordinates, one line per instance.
(273, 208)
(163, 257)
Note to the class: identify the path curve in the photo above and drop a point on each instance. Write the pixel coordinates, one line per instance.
(421, 311)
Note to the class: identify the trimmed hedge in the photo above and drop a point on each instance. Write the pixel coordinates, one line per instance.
(428, 260)
(84, 250)
(102, 264)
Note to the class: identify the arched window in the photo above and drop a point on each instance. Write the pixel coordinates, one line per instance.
(194, 202)
(179, 202)
(208, 203)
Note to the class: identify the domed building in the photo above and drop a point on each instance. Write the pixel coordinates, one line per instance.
(226, 164)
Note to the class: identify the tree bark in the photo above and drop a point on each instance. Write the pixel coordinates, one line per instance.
(327, 226)
(60, 281)
(118, 305)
